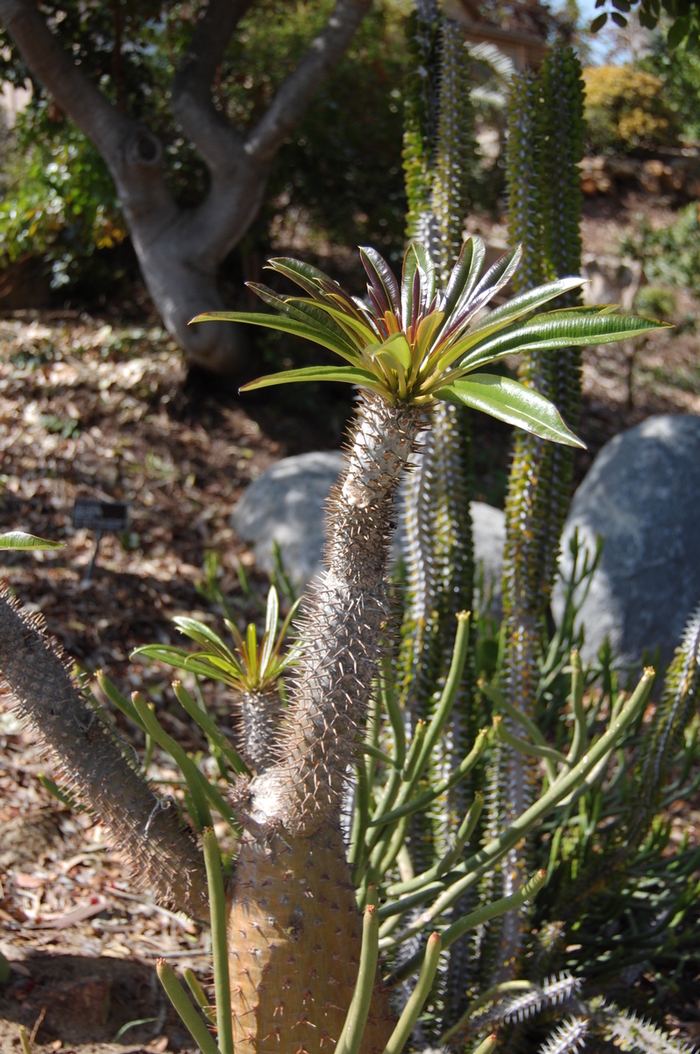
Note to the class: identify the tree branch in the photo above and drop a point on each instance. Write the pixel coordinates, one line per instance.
(294, 94)
(54, 68)
(131, 151)
(218, 142)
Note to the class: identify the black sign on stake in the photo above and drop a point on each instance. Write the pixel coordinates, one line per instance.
(99, 516)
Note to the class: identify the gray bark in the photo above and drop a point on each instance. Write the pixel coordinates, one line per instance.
(180, 250)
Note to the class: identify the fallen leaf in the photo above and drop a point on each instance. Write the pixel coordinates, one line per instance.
(69, 918)
(28, 881)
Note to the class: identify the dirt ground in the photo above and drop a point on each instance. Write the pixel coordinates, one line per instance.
(92, 408)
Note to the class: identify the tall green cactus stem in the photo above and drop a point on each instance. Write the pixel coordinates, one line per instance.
(544, 147)
(454, 149)
(93, 764)
(439, 150)
(420, 113)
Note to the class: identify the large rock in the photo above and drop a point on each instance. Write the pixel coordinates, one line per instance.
(286, 504)
(642, 494)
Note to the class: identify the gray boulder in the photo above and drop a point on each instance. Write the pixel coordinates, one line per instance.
(642, 494)
(286, 504)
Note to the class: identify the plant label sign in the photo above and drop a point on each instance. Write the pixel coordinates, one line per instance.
(99, 516)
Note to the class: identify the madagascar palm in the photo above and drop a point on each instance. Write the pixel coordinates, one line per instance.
(410, 344)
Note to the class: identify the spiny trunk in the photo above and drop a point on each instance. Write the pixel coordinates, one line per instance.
(294, 927)
(294, 947)
(91, 763)
(259, 714)
(342, 627)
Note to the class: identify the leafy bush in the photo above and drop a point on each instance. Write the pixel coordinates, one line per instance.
(340, 174)
(58, 198)
(626, 108)
(670, 255)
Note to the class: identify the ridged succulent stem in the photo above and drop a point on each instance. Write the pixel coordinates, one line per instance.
(545, 145)
(93, 765)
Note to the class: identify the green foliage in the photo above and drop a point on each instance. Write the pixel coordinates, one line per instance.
(670, 255)
(58, 200)
(252, 666)
(679, 71)
(340, 173)
(416, 343)
(627, 108)
(20, 540)
(680, 22)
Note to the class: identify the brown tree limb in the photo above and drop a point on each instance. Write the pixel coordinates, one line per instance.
(295, 92)
(93, 763)
(218, 142)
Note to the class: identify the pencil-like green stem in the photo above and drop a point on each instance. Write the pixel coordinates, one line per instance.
(189, 1016)
(199, 995)
(217, 902)
(448, 695)
(493, 910)
(568, 783)
(476, 918)
(150, 723)
(420, 993)
(488, 996)
(579, 741)
(209, 728)
(466, 829)
(532, 750)
(407, 807)
(351, 1036)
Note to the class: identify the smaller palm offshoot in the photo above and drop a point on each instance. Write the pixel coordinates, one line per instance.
(413, 343)
(253, 671)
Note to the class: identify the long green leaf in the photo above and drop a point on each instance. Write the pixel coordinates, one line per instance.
(497, 276)
(410, 264)
(512, 402)
(459, 276)
(373, 261)
(305, 275)
(20, 540)
(530, 300)
(283, 323)
(469, 281)
(308, 313)
(453, 346)
(201, 634)
(343, 374)
(563, 330)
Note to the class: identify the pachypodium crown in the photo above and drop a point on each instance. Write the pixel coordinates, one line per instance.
(412, 342)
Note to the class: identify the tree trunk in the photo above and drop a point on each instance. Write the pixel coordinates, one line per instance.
(180, 250)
